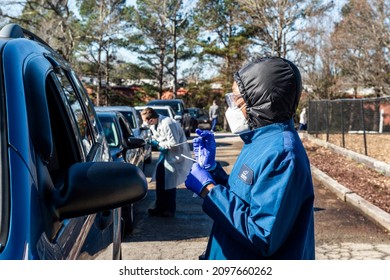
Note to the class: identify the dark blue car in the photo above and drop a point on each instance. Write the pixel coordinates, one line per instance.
(59, 187)
(135, 122)
(124, 147)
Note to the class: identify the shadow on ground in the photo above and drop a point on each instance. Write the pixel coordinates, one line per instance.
(189, 222)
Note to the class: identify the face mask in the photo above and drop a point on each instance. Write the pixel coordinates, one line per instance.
(237, 121)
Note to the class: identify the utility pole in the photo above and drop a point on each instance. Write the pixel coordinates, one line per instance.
(174, 88)
(174, 47)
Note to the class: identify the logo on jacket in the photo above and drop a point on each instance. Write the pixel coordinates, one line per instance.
(246, 174)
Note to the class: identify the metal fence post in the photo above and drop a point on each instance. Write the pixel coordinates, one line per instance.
(327, 121)
(316, 118)
(381, 114)
(342, 123)
(364, 127)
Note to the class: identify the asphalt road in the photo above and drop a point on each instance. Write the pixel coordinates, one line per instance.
(342, 232)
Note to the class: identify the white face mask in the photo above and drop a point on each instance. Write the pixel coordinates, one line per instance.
(237, 121)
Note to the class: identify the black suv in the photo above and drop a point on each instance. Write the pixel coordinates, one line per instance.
(60, 193)
(181, 113)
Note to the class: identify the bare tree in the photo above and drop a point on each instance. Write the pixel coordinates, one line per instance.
(159, 30)
(275, 23)
(313, 55)
(104, 23)
(361, 44)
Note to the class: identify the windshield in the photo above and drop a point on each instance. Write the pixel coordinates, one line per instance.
(193, 112)
(163, 112)
(176, 106)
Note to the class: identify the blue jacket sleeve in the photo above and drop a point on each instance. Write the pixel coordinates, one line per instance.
(219, 175)
(262, 220)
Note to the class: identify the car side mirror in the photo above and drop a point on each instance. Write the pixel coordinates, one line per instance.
(178, 117)
(92, 187)
(135, 142)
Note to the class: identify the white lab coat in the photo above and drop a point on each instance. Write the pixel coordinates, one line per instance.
(169, 133)
(302, 117)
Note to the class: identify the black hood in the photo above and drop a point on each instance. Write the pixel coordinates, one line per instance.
(271, 88)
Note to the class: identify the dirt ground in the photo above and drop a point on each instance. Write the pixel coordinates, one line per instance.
(369, 184)
(378, 145)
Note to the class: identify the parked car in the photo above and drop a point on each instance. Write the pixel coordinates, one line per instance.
(181, 112)
(134, 118)
(124, 147)
(199, 119)
(162, 110)
(59, 188)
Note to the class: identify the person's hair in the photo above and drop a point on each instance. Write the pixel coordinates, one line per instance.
(149, 113)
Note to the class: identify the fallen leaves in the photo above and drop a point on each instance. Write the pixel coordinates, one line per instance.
(367, 183)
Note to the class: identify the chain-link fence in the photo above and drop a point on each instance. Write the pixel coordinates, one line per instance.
(361, 125)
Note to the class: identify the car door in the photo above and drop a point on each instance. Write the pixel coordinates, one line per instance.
(75, 138)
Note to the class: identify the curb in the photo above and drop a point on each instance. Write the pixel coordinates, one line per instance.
(348, 196)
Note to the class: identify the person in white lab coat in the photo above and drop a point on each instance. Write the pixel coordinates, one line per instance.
(172, 168)
(302, 120)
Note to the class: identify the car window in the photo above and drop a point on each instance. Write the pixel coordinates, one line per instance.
(176, 108)
(110, 131)
(88, 105)
(74, 103)
(162, 112)
(139, 117)
(125, 127)
(130, 118)
(67, 150)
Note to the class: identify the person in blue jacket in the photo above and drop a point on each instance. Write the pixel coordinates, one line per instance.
(264, 208)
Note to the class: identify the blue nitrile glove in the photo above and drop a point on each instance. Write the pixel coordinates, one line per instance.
(154, 143)
(205, 148)
(198, 178)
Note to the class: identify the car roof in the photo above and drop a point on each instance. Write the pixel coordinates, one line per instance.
(165, 101)
(154, 106)
(167, 108)
(115, 108)
(107, 113)
(157, 107)
(13, 31)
